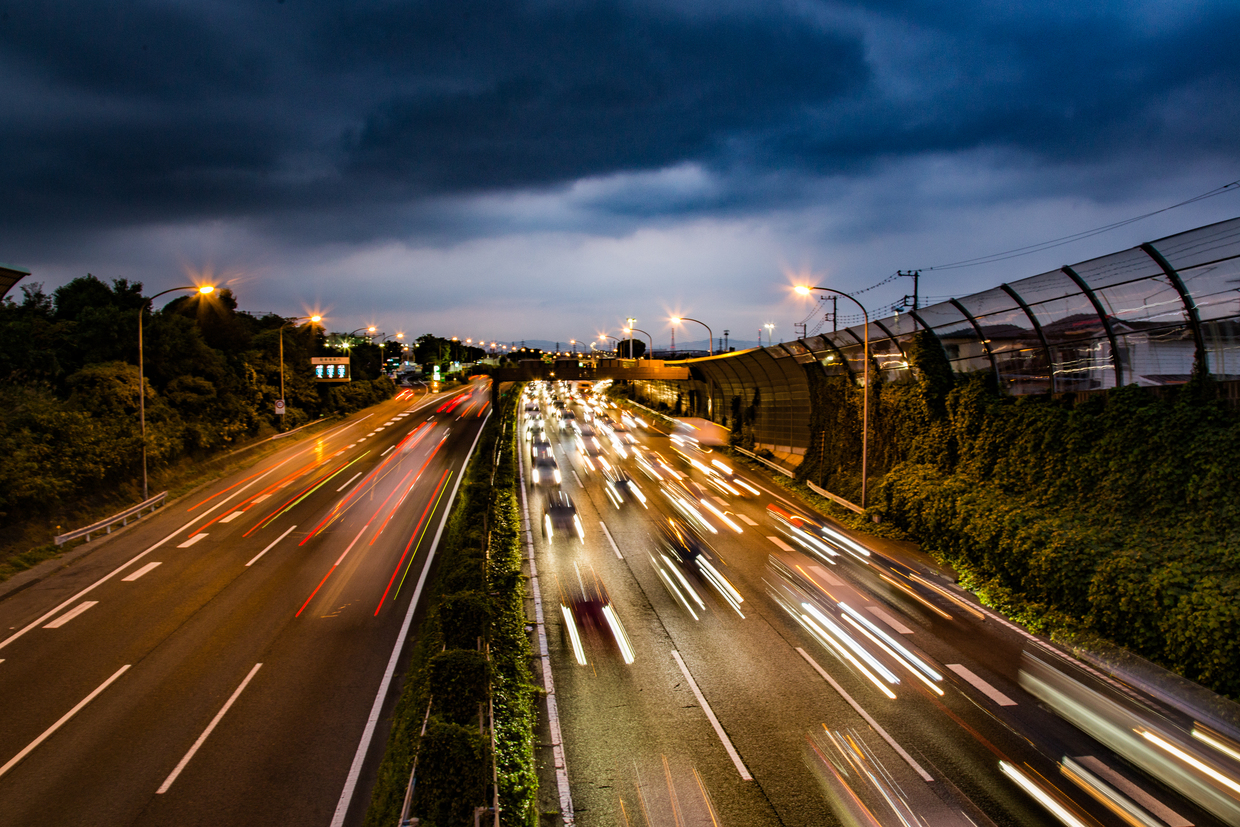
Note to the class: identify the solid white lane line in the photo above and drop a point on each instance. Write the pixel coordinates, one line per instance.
(981, 685)
(614, 547)
(346, 485)
(1168, 816)
(16, 759)
(925, 776)
(889, 619)
(191, 541)
(780, 543)
(231, 517)
(553, 711)
(368, 734)
(388, 451)
(714, 722)
(203, 737)
(139, 572)
(746, 520)
(69, 615)
(270, 547)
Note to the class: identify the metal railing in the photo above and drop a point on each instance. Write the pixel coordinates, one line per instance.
(781, 469)
(106, 525)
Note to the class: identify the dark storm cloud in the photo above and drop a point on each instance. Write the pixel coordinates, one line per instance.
(343, 118)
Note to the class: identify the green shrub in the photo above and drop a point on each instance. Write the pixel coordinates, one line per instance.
(451, 774)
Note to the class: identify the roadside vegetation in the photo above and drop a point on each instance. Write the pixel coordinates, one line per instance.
(472, 654)
(1115, 517)
(70, 445)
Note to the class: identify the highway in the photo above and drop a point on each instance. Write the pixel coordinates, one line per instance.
(740, 713)
(231, 659)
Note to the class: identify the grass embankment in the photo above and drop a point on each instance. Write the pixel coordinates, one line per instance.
(476, 593)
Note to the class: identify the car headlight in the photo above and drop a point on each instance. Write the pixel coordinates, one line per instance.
(557, 476)
(535, 475)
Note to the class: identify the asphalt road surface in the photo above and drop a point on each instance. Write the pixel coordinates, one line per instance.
(230, 659)
(741, 714)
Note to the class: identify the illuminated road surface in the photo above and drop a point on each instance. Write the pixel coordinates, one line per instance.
(745, 715)
(219, 662)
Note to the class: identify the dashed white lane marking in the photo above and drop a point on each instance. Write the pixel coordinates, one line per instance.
(139, 572)
(1169, 816)
(981, 685)
(163, 788)
(784, 546)
(714, 722)
(231, 517)
(388, 451)
(579, 482)
(270, 547)
(888, 618)
(262, 497)
(372, 433)
(69, 615)
(826, 575)
(722, 502)
(614, 547)
(16, 759)
(191, 541)
(925, 776)
(346, 485)
(380, 428)
(747, 521)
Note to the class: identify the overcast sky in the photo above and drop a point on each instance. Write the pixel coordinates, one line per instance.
(540, 170)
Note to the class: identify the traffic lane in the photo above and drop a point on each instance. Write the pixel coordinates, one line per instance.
(216, 509)
(142, 600)
(983, 704)
(623, 722)
(19, 609)
(769, 700)
(208, 638)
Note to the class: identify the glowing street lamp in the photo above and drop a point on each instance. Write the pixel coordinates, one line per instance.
(769, 338)
(710, 341)
(315, 319)
(805, 290)
(202, 290)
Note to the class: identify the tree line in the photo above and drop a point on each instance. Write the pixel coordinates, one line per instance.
(69, 387)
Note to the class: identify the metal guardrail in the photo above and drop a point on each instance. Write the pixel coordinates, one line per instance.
(106, 525)
(781, 469)
(835, 498)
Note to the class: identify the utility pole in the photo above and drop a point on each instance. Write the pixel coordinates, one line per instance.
(800, 329)
(912, 301)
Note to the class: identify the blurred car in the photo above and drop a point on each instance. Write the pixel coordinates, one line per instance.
(560, 518)
(686, 563)
(802, 531)
(546, 470)
(619, 486)
(567, 420)
(588, 613)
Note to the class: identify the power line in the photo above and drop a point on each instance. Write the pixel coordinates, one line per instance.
(1068, 239)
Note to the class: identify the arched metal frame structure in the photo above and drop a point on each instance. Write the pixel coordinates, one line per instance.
(1144, 316)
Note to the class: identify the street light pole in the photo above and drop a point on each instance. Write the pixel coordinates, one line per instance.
(710, 341)
(613, 338)
(290, 323)
(865, 415)
(631, 330)
(202, 291)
